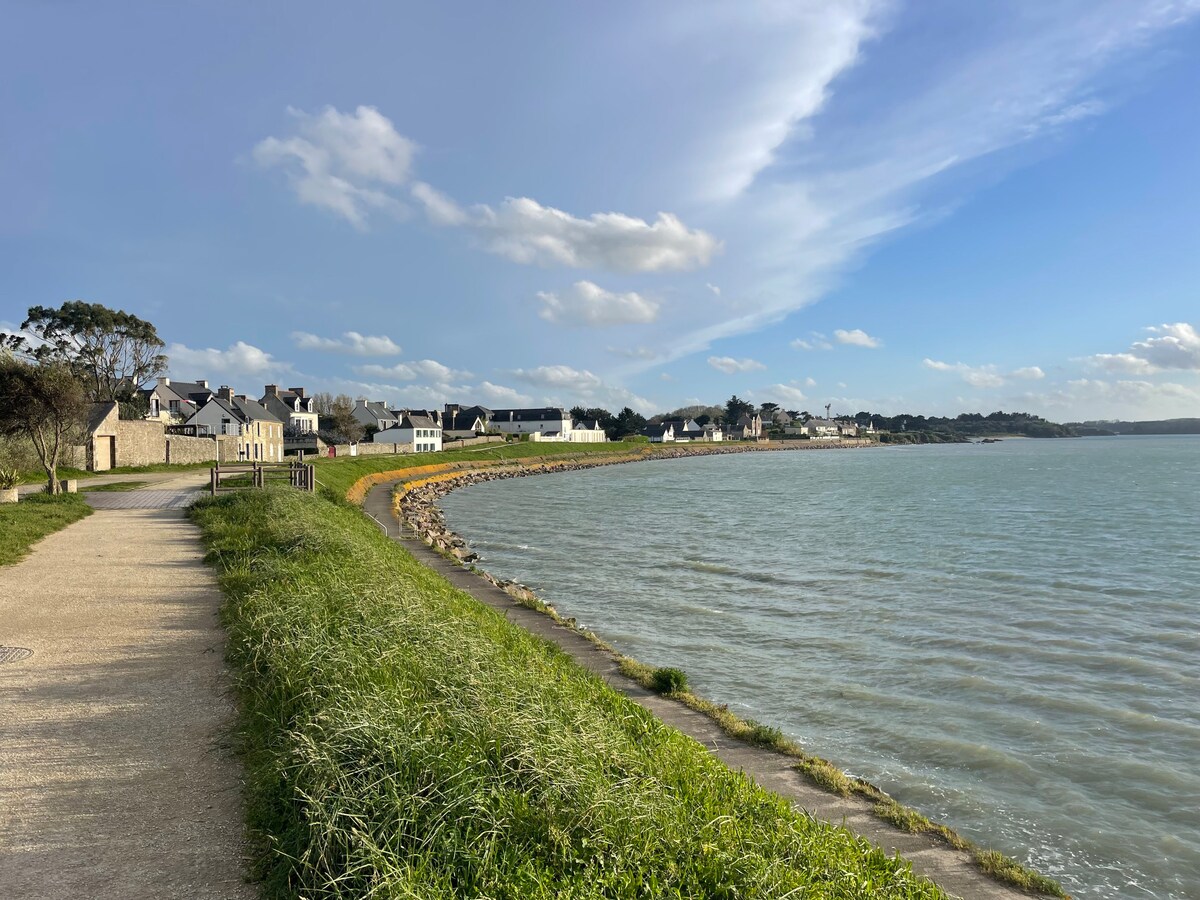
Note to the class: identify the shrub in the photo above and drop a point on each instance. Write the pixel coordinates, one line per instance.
(668, 681)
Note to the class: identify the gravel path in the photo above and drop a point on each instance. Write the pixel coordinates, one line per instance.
(116, 775)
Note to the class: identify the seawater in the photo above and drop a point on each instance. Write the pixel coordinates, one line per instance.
(1003, 636)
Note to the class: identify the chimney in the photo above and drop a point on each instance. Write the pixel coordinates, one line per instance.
(243, 398)
(299, 392)
(164, 380)
(271, 390)
(225, 392)
(203, 382)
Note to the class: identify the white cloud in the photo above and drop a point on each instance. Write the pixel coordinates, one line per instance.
(428, 369)
(856, 338)
(524, 231)
(589, 304)
(351, 342)
(788, 393)
(1175, 346)
(729, 365)
(712, 287)
(440, 208)
(1121, 363)
(1094, 398)
(642, 353)
(500, 396)
(339, 161)
(810, 382)
(558, 377)
(976, 376)
(567, 386)
(814, 341)
(239, 359)
(1028, 373)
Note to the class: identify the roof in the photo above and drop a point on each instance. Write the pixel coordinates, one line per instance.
(529, 415)
(253, 411)
(98, 413)
(413, 420)
(462, 421)
(661, 428)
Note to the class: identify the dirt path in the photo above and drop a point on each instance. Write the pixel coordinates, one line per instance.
(116, 776)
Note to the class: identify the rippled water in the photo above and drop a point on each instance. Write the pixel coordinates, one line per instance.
(1003, 636)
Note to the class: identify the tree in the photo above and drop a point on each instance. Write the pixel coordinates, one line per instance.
(45, 403)
(768, 409)
(735, 408)
(628, 422)
(111, 351)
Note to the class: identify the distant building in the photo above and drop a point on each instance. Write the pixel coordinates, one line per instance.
(374, 414)
(175, 401)
(292, 407)
(415, 432)
(256, 434)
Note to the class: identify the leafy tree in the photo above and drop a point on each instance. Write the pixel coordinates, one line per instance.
(628, 422)
(340, 424)
(703, 419)
(735, 408)
(768, 409)
(111, 351)
(45, 403)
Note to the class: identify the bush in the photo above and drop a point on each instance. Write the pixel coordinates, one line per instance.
(668, 681)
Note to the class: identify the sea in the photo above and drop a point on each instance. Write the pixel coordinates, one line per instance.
(1004, 636)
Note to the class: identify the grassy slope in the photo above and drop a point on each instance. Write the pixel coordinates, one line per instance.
(337, 475)
(404, 740)
(37, 515)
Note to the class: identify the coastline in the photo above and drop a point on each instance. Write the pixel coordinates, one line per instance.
(414, 502)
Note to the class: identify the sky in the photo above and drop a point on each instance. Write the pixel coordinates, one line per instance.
(927, 207)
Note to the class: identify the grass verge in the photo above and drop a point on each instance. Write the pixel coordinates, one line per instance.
(37, 515)
(403, 740)
(111, 487)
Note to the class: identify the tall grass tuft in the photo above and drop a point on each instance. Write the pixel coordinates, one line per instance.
(402, 740)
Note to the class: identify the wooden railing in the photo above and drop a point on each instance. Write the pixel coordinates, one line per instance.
(240, 476)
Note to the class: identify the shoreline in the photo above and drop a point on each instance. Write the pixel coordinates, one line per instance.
(415, 504)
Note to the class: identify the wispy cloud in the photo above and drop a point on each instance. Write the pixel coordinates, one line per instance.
(729, 365)
(814, 341)
(427, 369)
(986, 376)
(342, 162)
(351, 342)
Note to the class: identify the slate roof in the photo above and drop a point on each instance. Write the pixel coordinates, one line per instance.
(529, 415)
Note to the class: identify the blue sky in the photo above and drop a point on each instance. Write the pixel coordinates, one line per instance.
(927, 207)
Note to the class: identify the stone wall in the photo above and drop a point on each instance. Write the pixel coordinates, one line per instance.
(470, 442)
(367, 448)
(182, 449)
(140, 443)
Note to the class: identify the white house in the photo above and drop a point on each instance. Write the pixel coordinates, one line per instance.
(545, 420)
(292, 407)
(712, 432)
(416, 433)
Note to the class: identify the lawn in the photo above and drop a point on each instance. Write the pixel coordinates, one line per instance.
(37, 515)
(112, 487)
(403, 740)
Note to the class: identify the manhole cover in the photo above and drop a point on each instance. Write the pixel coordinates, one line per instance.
(14, 654)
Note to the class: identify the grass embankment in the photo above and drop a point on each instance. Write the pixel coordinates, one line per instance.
(112, 487)
(37, 515)
(337, 476)
(404, 740)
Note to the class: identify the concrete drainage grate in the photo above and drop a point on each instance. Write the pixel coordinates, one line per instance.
(14, 654)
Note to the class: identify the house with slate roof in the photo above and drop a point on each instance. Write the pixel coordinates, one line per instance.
(293, 407)
(176, 401)
(374, 414)
(245, 430)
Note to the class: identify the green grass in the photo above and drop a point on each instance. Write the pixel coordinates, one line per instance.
(34, 476)
(403, 740)
(337, 475)
(34, 517)
(112, 486)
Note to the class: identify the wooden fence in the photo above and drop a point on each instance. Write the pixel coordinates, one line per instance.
(239, 476)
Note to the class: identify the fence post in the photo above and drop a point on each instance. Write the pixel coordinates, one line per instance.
(214, 479)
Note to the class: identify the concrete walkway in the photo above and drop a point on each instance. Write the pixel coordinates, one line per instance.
(952, 870)
(116, 775)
